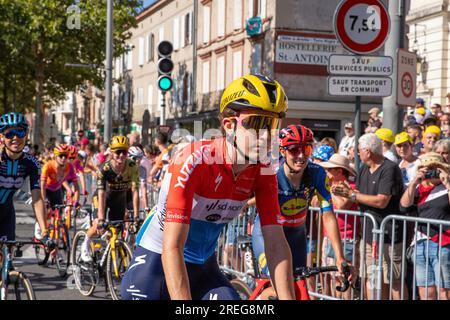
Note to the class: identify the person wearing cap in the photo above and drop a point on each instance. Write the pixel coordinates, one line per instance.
(338, 171)
(347, 140)
(387, 139)
(409, 162)
(378, 192)
(430, 136)
(322, 152)
(374, 122)
(430, 192)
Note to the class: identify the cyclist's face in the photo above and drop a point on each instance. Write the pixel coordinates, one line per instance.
(14, 139)
(119, 156)
(252, 131)
(296, 156)
(62, 159)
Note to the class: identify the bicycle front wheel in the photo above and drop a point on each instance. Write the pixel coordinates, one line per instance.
(84, 273)
(19, 287)
(117, 263)
(62, 250)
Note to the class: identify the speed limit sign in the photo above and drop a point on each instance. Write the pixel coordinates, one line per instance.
(362, 26)
(406, 77)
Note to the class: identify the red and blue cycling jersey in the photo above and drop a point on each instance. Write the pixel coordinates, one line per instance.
(201, 190)
(294, 203)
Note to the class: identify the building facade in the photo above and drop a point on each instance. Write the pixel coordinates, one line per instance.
(429, 36)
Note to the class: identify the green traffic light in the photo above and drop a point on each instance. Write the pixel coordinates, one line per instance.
(165, 83)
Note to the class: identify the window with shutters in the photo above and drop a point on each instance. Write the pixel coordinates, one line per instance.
(220, 18)
(187, 28)
(150, 47)
(182, 37)
(150, 98)
(130, 57)
(206, 23)
(237, 64)
(161, 34)
(205, 77)
(176, 34)
(262, 8)
(250, 9)
(237, 13)
(140, 96)
(141, 51)
(220, 73)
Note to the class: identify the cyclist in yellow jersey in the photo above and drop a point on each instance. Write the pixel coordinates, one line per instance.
(114, 179)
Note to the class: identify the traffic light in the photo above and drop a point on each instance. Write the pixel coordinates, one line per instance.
(165, 66)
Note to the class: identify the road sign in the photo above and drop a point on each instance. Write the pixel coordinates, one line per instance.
(406, 77)
(362, 26)
(359, 86)
(360, 65)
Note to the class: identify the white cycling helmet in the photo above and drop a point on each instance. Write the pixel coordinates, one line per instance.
(135, 152)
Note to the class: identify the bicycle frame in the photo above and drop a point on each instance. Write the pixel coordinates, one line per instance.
(6, 267)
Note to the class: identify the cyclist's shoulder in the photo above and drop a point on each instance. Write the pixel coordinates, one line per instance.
(30, 161)
(194, 152)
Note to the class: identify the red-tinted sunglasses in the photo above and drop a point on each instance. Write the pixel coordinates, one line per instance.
(296, 149)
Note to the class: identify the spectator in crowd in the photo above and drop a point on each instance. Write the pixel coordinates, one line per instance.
(408, 164)
(374, 122)
(348, 139)
(80, 136)
(445, 131)
(415, 132)
(161, 142)
(82, 144)
(445, 119)
(351, 157)
(380, 186)
(430, 192)
(430, 136)
(387, 139)
(338, 171)
(431, 121)
(435, 109)
(135, 139)
(419, 114)
(329, 142)
(322, 152)
(442, 147)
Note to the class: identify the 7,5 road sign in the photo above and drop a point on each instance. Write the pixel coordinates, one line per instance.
(362, 26)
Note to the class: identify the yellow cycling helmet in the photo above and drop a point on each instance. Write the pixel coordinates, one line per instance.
(254, 91)
(385, 134)
(119, 143)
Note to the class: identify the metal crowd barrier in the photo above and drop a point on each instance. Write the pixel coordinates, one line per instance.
(319, 287)
(403, 294)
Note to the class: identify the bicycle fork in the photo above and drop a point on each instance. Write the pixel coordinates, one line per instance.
(6, 266)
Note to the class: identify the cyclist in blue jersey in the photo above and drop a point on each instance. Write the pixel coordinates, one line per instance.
(15, 167)
(298, 181)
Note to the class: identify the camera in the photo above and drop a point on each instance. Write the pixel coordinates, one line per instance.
(432, 174)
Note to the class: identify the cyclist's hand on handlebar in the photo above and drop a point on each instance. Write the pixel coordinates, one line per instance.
(48, 242)
(346, 270)
(100, 226)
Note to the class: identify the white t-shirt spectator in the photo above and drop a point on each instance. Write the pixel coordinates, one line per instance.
(345, 144)
(391, 156)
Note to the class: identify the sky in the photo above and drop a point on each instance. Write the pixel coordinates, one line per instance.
(148, 2)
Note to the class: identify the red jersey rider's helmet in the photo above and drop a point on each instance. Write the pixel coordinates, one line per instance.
(295, 135)
(73, 152)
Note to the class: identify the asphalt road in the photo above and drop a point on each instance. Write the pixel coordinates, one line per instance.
(47, 283)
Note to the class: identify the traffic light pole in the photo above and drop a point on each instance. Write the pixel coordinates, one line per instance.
(162, 118)
(109, 51)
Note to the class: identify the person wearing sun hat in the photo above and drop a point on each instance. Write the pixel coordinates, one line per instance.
(338, 170)
(408, 164)
(430, 192)
(430, 137)
(387, 139)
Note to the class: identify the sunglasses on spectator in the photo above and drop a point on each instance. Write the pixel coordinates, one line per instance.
(120, 152)
(19, 133)
(257, 122)
(296, 149)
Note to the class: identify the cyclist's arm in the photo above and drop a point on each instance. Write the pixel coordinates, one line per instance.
(279, 259)
(39, 209)
(43, 189)
(66, 186)
(277, 249)
(76, 196)
(101, 204)
(82, 182)
(175, 235)
(331, 225)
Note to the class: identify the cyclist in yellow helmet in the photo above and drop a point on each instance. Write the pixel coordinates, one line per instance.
(206, 185)
(114, 178)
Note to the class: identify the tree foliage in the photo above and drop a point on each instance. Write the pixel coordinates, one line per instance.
(36, 43)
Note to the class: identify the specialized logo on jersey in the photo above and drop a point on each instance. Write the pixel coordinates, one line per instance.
(136, 293)
(189, 165)
(138, 261)
(293, 207)
(10, 182)
(218, 181)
